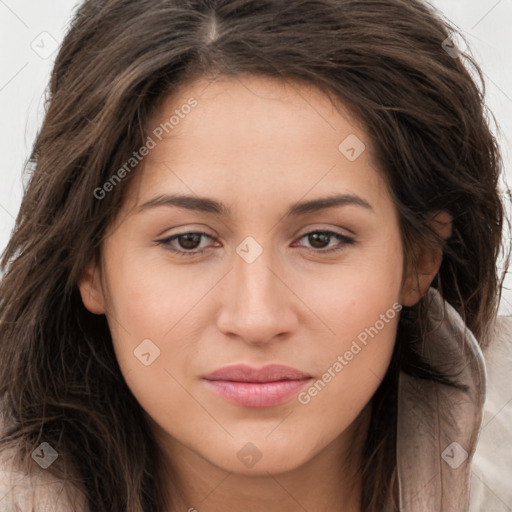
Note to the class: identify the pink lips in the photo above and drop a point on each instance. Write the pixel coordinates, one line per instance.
(250, 387)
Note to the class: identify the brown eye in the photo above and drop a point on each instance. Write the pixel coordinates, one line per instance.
(320, 239)
(189, 240)
(187, 243)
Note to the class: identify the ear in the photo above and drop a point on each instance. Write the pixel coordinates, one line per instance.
(90, 290)
(419, 278)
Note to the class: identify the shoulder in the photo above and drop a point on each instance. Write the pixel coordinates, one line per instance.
(492, 461)
(37, 492)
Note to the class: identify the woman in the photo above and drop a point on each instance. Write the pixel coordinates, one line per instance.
(257, 250)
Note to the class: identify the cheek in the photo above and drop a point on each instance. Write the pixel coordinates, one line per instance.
(153, 309)
(351, 371)
(353, 296)
(358, 334)
(150, 295)
(360, 306)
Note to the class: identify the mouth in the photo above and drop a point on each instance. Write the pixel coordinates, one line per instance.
(269, 386)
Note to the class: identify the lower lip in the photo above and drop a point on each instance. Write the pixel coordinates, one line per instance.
(257, 394)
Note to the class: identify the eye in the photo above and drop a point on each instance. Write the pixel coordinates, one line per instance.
(320, 238)
(187, 241)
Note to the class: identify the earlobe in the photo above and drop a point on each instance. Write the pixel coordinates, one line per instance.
(428, 262)
(90, 290)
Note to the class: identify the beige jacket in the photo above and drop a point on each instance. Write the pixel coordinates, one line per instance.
(454, 448)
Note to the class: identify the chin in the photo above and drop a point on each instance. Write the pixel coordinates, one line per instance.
(260, 457)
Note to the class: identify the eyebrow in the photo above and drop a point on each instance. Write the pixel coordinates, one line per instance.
(208, 205)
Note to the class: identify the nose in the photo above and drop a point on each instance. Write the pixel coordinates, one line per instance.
(258, 305)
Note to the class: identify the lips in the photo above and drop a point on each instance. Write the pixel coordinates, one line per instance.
(244, 373)
(257, 387)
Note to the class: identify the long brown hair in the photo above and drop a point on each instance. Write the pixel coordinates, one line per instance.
(384, 60)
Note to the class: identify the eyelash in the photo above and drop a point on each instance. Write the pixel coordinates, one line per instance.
(343, 238)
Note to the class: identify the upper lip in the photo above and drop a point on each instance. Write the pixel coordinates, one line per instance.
(269, 373)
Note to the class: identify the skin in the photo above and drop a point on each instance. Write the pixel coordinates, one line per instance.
(257, 145)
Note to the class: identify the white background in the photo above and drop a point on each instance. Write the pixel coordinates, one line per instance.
(29, 27)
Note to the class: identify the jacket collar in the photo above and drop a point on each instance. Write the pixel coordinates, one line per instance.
(438, 425)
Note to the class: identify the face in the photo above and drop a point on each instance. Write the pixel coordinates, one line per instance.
(259, 274)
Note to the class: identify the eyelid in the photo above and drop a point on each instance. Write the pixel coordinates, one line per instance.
(337, 231)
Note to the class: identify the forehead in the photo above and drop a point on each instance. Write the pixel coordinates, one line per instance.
(257, 136)
(261, 105)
